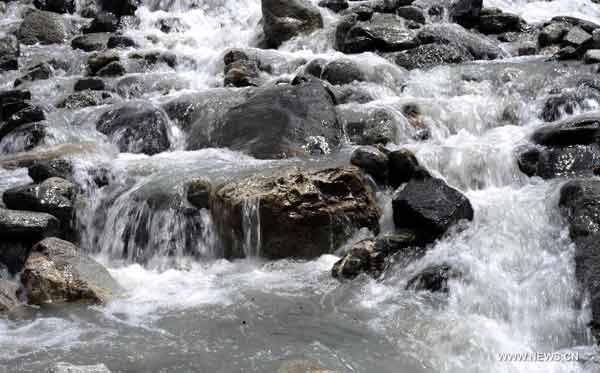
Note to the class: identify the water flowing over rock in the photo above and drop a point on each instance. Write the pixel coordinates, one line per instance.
(283, 20)
(434, 278)
(8, 295)
(301, 214)
(56, 271)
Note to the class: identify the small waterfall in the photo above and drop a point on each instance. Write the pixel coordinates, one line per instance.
(251, 227)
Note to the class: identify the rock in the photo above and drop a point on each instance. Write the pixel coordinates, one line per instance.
(429, 207)
(198, 193)
(412, 13)
(576, 37)
(103, 22)
(383, 33)
(277, 122)
(466, 12)
(582, 129)
(93, 84)
(430, 55)
(42, 27)
(70, 368)
(302, 366)
(91, 42)
(8, 295)
(120, 41)
(389, 6)
(586, 26)
(112, 70)
(564, 161)
(156, 57)
(43, 170)
(497, 23)
(553, 34)
(120, 7)
(342, 71)
(29, 114)
(57, 272)
(301, 214)
(54, 196)
(581, 98)
(24, 137)
(580, 205)
(434, 278)
(27, 225)
(56, 6)
(403, 166)
(373, 161)
(283, 20)
(41, 71)
(450, 34)
(84, 99)
(98, 61)
(136, 127)
(171, 24)
(9, 53)
(378, 126)
(241, 73)
(592, 56)
(335, 5)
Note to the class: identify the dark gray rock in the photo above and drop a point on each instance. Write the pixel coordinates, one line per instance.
(479, 46)
(54, 196)
(412, 13)
(136, 127)
(335, 5)
(27, 225)
(378, 126)
(41, 71)
(112, 70)
(429, 207)
(42, 27)
(91, 42)
(198, 193)
(120, 7)
(592, 56)
(8, 295)
(277, 122)
(434, 278)
(93, 84)
(584, 96)
(342, 71)
(242, 72)
(576, 37)
(389, 6)
(84, 99)
(582, 129)
(11, 101)
(466, 12)
(373, 161)
(45, 169)
(120, 41)
(586, 26)
(9, 53)
(553, 34)
(563, 161)
(24, 137)
(282, 20)
(58, 272)
(100, 60)
(302, 214)
(403, 166)
(28, 114)
(497, 23)
(103, 22)
(431, 55)
(56, 6)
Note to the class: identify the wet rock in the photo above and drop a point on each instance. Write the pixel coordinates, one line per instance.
(155, 57)
(382, 32)
(563, 161)
(377, 126)
(56, 6)
(42, 27)
(434, 278)
(103, 22)
(11, 101)
(27, 225)
(581, 98)
(136, 127)
(41, 71)
(491, 22)
(8, 295)
(28, 114)
(582, 129)
(24, 137)
(46, 169)
(431, 55)
(576, 37)
(553, 34)
(412, 13)
(342, 71)
(171, 24)
(84, 99)
(198, 193)
(282, 20)
(450, 34)
(120, 41)
(112, 70)
(466, 12)
(586, 26)
(54, 196)
(429, 207)
(241, 72)
(70, 368)
(403, 166)
(91, 42)
(57, 272)
(278, 122)
(302, 214)
(373, 161)
(92, 84)
(98, 61)
(9, 53)
(120, 7)
(335, 5)
(592, 56)
(389, 6)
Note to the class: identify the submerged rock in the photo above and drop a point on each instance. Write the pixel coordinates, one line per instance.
(282, 20)
(429, 207)
(40, 71)
(293, 213)
(57, 272)
(434, 278)
(136, 127)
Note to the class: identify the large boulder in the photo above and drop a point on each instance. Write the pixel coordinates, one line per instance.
(373, 161)
(284, 19)
(494, 21)
(429, 207)
(342, 71)
(57, 272)
(293, 213)
(382, 32)
(277, 122)
(9, 53)
(56, 6)
(42, 27)
(137, 127)
(54, 196)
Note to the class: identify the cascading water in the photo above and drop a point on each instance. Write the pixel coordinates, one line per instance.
(187, 310)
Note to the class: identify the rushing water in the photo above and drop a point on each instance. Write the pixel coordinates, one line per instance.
(188, 312)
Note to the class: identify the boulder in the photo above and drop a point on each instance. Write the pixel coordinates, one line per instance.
(120, 41)
(8, 295)
(382, 33)
(430, 55)
(434, 278)
(403, 166)
(553, 33)
(9, 53)
(136, 127)
(412, 13)
(293, 213)
(561, 161)
(45, 169)
(335, 5)
(42, 27)
(429, 207)
(283, 20)
(198, 193)
(26, 115)
(120, 7)
(451, 34)
(56, 6)
(377, 126)
(576, 37)
(93, 84)
(57, 272)
(491, 22)
(342, 71)
(112, 70)
(100, 60)
(42, 71)
(277, 122)
(389, 6)
(241, 71)
(466, 13)
(582, 129)
(91, 42)
(373, 161)
(102, 22)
